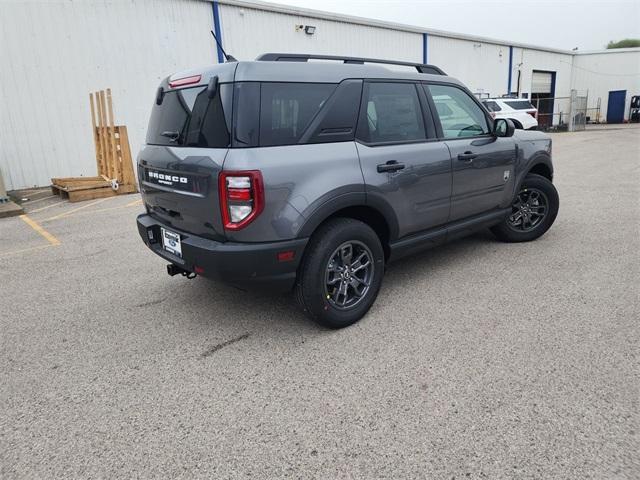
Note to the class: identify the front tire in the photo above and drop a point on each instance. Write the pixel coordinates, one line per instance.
(533, 211)
(341, 273)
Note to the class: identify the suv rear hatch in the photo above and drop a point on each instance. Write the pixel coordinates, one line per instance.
(187, 141)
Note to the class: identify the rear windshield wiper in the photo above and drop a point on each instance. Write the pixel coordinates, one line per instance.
(173, 136)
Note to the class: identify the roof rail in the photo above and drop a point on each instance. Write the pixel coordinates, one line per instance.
(303, 57)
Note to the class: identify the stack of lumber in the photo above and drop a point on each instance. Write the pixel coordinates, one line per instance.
(113, 157)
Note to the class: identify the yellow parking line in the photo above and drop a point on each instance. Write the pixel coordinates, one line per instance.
(48, 206)
(99, 210)
(31, 202)
(30, 249)
(134, 203)
(50, 238)
(66, 214)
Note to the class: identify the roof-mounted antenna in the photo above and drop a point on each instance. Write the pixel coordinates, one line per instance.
(230, 58)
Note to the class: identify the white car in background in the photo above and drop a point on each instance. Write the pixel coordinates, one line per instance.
(519, 110)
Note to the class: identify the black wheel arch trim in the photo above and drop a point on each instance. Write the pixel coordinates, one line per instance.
(347, 200)
(541, 158)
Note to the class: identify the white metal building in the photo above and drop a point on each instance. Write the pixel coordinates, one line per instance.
(54, 53)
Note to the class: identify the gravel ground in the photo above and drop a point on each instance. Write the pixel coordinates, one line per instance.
(479, 359)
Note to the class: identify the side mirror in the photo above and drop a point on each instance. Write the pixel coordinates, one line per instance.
(503, 127)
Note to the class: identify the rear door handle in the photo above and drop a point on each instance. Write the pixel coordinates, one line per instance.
(390, 166)
(467, 156)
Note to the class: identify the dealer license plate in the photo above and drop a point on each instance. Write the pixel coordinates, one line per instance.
(171, 242)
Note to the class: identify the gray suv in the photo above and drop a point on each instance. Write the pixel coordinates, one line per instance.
(289, 174)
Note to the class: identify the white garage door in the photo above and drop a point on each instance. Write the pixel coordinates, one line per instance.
(541, 82)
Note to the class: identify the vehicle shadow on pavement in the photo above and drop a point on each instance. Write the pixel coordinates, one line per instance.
(441, 256)
(236, 309)
(226, 308)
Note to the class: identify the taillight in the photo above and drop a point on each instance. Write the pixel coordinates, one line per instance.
(533, 113)
(241, 197)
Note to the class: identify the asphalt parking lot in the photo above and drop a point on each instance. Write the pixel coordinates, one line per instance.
(479, 359)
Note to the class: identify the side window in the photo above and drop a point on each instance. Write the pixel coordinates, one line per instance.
(459, 114)
(286, 109)
(391, 113)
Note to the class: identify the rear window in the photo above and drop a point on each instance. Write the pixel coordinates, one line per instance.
(393, 114)
(491, 106)
(520, 104)
(286, 109)
(189, 118)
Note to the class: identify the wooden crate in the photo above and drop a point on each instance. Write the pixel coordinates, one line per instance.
(113, 157)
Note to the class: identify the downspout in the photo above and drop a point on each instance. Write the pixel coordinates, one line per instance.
(425, 50)
(218, 30)
(510, 70)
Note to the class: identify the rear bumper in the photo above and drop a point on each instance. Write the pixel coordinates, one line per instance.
(245, 265)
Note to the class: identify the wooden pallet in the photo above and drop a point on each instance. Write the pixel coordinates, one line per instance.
(77, 189)
(113, 157)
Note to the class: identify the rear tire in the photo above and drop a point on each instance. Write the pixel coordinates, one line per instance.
(533, 211)
(341, 273)
(516, 124)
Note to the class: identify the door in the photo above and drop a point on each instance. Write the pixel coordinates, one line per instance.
(615, 106)
(482, 164)
(405, 169)
(542, 93)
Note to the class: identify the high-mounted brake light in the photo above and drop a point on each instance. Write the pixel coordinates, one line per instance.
(241, 197)
(181, 82)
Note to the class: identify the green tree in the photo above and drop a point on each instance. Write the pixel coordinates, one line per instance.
(626, 43)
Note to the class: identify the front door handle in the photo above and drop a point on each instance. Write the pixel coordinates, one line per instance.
(390, 166)
(467, 156)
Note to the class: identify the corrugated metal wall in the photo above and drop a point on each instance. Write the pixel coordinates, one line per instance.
(484, 67)
(249, 32)
(600, 73)
(528, 60)
(52, 54)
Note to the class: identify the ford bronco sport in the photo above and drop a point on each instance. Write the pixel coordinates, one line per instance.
(290, 174)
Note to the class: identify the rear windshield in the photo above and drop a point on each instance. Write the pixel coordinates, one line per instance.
(189, 118)
(491, 106)
(519, 104)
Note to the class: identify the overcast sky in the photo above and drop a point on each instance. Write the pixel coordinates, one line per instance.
(586, 24)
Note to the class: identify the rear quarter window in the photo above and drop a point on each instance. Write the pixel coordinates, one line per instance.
(287, 109)
(520, 104)
(491, 106)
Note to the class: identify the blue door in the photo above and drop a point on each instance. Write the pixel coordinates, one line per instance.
(615, 107)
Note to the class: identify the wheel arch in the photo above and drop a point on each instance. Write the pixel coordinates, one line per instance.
(517, 123)
(381, 220)
(541, 165)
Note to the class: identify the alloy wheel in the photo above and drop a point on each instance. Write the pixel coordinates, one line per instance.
(348, 274)
(528, 210)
